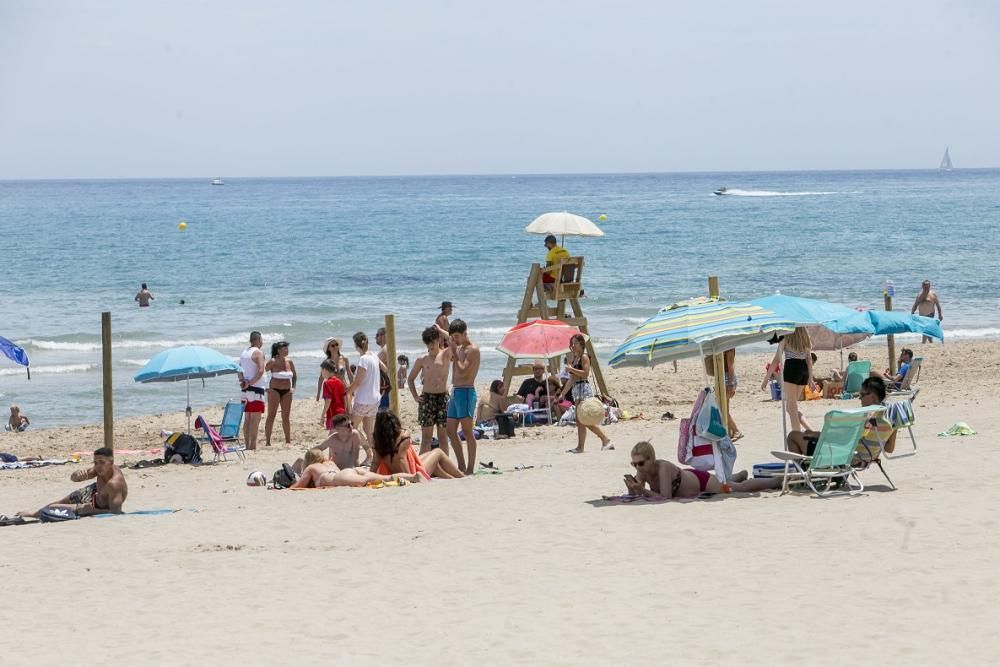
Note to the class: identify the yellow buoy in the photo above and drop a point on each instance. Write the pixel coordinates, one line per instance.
(602, 217)
(182, 225)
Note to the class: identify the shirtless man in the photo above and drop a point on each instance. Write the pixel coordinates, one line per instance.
(144, 296)
(344, 443)
(432, 403)
(464, 356)
(321, 472)
(926, 303)
(105, 496)
(442, 323)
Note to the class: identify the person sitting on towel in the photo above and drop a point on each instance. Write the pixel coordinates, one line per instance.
(872, 393)
(105, 495)
(659, 478)
(320, 472)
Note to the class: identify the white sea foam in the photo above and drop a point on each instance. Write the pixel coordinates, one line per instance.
(50, 370)
(66, 346)
(736, 192)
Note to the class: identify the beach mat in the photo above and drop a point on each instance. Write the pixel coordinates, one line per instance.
(23, 521)
(24, 465)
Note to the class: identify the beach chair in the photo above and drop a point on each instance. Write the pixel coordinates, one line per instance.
(229, 429)
(833, 457)
(899, 412)
(871, 447)
(857, 372)
(906, 386)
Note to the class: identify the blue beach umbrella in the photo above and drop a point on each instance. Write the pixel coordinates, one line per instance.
(15, 353)
(804, 312)
(892, 322)
(184, 363)
(696, 328)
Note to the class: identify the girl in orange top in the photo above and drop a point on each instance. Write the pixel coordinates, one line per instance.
(394, 452)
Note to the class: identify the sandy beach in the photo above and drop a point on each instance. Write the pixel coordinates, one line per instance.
(528, 566)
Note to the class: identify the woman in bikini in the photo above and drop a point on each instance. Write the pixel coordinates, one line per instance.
(666, 480)
(578, 367)
(394, 452)
(331, 348)
(320, 472)
(279, 390)
(797, 372)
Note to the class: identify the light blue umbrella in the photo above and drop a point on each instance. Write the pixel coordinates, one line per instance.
(896, 322)
(184, 363)
(15, 353)
(804, 312)
(697, 328)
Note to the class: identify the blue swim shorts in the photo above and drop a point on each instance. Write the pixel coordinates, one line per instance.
(463, 403)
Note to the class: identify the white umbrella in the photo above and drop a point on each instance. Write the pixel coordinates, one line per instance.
(563, 224)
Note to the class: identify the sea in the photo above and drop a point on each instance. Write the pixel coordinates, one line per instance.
(301, 259)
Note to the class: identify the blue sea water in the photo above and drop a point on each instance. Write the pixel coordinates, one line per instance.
(303, 259)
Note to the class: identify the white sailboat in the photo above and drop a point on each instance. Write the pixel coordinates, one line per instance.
(945, 161)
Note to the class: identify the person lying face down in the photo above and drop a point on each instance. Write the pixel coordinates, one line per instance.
(106, 495)
(658, 478)
(320, 472)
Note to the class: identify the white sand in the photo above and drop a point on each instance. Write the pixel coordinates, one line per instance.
(520, 567)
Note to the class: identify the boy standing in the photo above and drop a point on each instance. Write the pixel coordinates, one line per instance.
(464, 355)
(432, 403)
(333, 395)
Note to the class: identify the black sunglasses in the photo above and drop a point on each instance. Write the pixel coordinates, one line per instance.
(638, 464)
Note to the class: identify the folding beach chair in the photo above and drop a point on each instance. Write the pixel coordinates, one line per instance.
(229, 430)
(857, 372)
(899, 412)
(831, 461)
(906, 387)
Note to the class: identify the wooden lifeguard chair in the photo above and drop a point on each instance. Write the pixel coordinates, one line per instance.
(565, 289)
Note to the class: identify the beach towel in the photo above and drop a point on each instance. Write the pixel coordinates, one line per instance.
(213, 435)
(900, 414)
(625, 499)
(21, 465)
(413, 465)
(958, 428)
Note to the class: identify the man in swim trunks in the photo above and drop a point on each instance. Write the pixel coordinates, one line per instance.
(144, 296)
(442, 322)
(253, 384)
(432, 402)
(464, 356)
(105, 496)
(926, 303)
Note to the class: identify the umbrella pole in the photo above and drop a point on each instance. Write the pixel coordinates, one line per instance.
(187, 381)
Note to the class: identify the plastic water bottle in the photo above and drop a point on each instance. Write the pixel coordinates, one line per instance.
(889, 289)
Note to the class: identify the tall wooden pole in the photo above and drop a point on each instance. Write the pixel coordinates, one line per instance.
(109, 411)
(890, 338)
(390, 361)
(719, 363)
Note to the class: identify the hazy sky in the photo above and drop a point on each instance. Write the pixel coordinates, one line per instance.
(144, 88)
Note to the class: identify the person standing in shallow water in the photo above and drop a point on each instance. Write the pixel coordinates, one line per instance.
(144, 296)
(926, 303)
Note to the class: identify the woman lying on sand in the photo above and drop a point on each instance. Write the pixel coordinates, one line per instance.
(321, 472)
(394, 452)
(667, 480)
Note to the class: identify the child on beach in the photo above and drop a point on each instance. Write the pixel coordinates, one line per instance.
(18, 421)
(333, 394)
(432, 402)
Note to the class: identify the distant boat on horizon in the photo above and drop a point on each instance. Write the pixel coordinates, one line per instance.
(945, 161)
(218, 181)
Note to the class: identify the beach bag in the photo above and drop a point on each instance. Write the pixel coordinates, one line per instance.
(505, 426)
(284, 477)
(183, 445)
(684, 444)
(709, 424)
(56, 514)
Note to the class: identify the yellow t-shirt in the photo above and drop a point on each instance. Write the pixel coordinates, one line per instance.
(554, 256)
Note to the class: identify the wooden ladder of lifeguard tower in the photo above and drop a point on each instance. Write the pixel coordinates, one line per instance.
(565, 289)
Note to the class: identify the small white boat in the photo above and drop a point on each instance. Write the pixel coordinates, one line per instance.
(945, 161)
(218, 181)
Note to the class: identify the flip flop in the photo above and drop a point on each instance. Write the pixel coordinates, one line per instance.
(11, 520)
(523, 467)
(609, 446)
(489, 466)
(667, 415)
(573, 451)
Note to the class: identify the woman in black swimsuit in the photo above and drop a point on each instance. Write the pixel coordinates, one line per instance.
(279, 390)
(580, 389)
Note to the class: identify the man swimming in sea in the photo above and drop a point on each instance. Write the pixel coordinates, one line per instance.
(464, 356)
(926, 303)
(432, 402)
(105, 496)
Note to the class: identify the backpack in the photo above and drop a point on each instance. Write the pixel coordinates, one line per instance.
(284, 477)
(505, 425)
(183, 445)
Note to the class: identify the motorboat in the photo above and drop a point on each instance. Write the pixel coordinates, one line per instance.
(721, 191)
(218, 181)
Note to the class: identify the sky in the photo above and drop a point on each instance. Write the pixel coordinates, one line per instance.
(181, 88)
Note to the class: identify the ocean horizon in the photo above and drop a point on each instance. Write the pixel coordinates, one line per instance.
(304, 258)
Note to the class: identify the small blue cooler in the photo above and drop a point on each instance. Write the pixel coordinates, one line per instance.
(775, 391)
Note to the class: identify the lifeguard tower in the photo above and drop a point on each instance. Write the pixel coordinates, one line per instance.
(549, 301)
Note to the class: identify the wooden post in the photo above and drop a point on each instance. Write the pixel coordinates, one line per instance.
(390, 361)
(719, 362)
(109, 411)
(890, 338)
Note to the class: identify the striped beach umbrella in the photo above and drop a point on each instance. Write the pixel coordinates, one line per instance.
(696, 328)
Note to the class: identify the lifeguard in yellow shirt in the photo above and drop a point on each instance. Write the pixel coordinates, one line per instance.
(553, 257)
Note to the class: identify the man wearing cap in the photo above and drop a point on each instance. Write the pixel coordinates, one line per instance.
(556, 255)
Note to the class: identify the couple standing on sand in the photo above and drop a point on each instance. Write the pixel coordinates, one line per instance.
(435, 408)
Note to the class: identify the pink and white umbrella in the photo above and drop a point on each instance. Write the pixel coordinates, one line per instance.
(538, 339)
